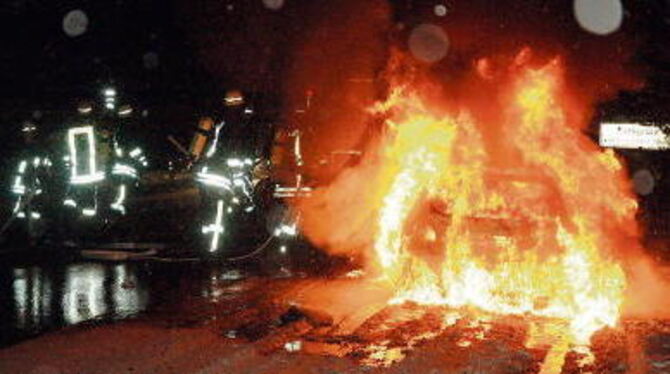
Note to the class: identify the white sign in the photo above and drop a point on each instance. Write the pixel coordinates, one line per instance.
(632, 136)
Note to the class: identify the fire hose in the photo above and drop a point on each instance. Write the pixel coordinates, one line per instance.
(253, 253)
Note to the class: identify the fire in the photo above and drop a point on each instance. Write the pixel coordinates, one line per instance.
(535, 232)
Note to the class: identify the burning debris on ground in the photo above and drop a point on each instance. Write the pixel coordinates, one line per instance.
(399, 337)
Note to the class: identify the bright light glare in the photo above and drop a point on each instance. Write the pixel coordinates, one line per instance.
(212, 149)
(216, 228)
(120, 199)
(234, 163)
(213, 180)
(93, 175)
(122, 169)
(125, 111)
(18, 187)
(135, 152)
(288, 230)
(88, 212)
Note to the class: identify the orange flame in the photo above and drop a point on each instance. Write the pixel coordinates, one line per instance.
(537, 238)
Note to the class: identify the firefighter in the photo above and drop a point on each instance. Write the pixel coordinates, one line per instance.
(288, 163)
(225, 173)
(101, 166)
(30, 186)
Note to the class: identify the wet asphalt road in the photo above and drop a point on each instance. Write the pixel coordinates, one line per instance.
(43, 296)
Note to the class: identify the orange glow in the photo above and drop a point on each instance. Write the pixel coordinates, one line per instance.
(483, 66)
(537, 235)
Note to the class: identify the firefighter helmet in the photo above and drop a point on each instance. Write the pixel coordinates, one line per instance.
(233, 98)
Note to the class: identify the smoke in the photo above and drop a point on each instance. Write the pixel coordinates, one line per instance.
(348, 58)
(646, 294)
(338, 57)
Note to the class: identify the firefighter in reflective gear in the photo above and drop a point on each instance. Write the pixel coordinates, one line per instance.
(225, 174)
(29, 185)
(127, 161)
(101, 168)
(288, 168)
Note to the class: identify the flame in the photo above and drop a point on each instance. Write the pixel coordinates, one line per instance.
(538, 236)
